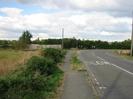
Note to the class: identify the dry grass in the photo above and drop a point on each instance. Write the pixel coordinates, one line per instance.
(123, 52)
(12, 59)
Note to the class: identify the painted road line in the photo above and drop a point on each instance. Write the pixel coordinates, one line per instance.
(97, 62)
(122, 69)
(96, 85)
(118, 67)
(102, 88)
(101, 58)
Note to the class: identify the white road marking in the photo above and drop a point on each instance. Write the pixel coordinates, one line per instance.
(97, 62)
(122, 69)
(101, 58)
(106, 63)
(101, 62)
(102, 88)
(117, 66)
(97, 83)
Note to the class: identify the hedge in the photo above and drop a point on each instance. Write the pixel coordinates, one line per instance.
(55, 54)
(37, 80)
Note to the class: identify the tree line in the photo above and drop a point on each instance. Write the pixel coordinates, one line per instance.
(86, 44)
(22, 43)
(25, 40)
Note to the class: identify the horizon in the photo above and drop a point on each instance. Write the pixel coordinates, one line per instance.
(67, 38)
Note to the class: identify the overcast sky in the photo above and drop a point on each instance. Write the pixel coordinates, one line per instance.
(108, 20)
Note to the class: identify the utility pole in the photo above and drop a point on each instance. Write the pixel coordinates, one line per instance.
(62, 38)
(131, 53)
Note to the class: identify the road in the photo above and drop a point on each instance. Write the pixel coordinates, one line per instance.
(113, 74)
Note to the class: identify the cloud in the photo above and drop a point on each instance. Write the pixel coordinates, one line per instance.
(88, 19)
(94, 4)
(85, 4)
(112, 7)
(94, 25)
(11, 11)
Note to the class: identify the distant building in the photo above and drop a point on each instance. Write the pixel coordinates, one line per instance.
(37, 46)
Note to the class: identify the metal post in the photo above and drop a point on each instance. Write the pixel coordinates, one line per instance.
(131, 53)
(62, 38)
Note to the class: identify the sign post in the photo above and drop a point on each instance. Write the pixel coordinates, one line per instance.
(131, 53)
(62, 38)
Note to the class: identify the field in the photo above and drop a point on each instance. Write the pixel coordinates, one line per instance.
(12, 59)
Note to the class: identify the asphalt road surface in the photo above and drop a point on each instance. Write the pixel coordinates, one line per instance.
(113, 74)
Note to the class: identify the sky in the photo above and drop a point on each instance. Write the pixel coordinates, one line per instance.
(107, 20)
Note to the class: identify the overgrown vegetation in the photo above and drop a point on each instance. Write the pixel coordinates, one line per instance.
(55, 54)
(38, 79)
(76, 63)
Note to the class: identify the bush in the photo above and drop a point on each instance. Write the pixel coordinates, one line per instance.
(44, 65)
(37, 80)
(4, 86)
(40, 77)
(55, 54)
(22, 87)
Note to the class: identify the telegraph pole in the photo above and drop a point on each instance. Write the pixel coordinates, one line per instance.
(62, 38)
(132, 37)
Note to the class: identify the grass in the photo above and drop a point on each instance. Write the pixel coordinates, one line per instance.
(125, 56)
(12, 59)
(75, 62)
(55, 94)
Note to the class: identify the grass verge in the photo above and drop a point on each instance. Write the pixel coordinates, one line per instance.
(124, 56)
(76, 64)
(127, 57)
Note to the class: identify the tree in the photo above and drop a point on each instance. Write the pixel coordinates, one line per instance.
(25, 39)
(4, 44)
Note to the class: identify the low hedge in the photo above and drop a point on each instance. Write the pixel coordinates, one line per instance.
(37, 80)
(44, 65)
(55, 54)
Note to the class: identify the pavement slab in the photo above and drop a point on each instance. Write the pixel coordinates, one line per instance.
(76, 85)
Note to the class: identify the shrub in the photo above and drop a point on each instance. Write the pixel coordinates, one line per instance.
(22, 87)
(44, 65)
(4, 86)
(55, 54)
(37, 80)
